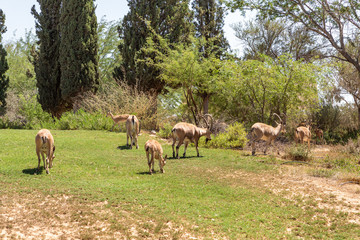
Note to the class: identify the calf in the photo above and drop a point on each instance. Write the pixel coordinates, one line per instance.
(45, 145)
(154, 148)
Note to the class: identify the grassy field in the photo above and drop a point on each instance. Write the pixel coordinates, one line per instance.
(98, 188)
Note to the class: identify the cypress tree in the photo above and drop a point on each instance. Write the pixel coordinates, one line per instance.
(66, 62)
(46, 58)
(4, 80)
(78, 48)
(209, 24)
(169, 18)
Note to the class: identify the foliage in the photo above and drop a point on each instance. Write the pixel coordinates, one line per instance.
(339, 28)
(78, 53)
(298, 152)
(184, 66)
(66, 63)
(275, 38)
(165, 130)
(4, 80)
(46, 57)
(21, 70)
(109, 54)
(170, 19)
(209, 24)
(234, 137)
(260, 88)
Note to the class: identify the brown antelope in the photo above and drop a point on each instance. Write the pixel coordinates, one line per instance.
(266, 132)
(303, 134)
(45, 145)
(320, 134)
(132, 131)
(188, 132)
(153, 148)
(117, 119)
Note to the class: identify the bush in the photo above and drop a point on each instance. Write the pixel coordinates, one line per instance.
(234, 137)
(165, 130)
(299, 153)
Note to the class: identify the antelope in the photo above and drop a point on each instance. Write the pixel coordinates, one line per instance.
(303, 134)
(154, 148)
(45, 145)
(117, 119)
(188, 132)
(132, 131)
(320, 134)
(266, 132)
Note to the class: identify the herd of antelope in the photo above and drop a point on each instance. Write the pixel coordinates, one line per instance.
(183, 133)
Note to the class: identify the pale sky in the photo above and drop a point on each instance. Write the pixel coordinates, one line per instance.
(19, 19)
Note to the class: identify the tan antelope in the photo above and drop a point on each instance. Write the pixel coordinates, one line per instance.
(153, 148)
(303, 134)
(45, 145)
(132, 131)
(266, 132)
(187, 132)
(117, 119)
(320, 134)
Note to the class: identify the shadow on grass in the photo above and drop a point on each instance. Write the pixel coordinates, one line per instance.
(187, 157)
(33, 171)
(148, 173)
(123, 147)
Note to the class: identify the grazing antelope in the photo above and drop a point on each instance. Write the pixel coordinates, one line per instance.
(117, 119)
(188, 132)
(320, 134)
(45, 145)
(132, 131)
(153, 148)
(303, 134)
(266, 132)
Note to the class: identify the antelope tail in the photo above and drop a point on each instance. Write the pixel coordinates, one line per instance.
(44, 139)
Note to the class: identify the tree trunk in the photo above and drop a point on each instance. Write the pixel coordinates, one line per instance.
(206, 98)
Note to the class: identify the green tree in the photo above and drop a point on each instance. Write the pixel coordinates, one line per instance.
(46, 59)
(109, 54)
(275, 38)
(21, 70)
(78, 56)
(4, 80)
(170, 19)
(260, 88)
(336, 22)
(209, 25)
(66, 61)
(184, 66)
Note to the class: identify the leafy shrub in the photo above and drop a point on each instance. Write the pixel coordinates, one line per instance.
(165, 130)
(234, 137)
(299, 153)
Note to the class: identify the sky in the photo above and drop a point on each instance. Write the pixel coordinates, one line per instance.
(19, 19)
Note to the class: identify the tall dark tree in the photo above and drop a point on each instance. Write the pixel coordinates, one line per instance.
(46, 58)
(78, 48)
(169, 18)
(4, 80)
(209, 25)
(66, 62)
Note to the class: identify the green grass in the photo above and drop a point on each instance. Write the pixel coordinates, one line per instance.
(194, 192)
